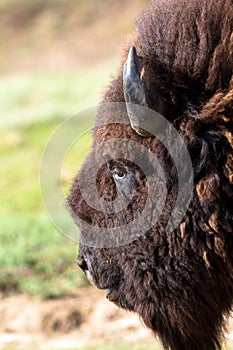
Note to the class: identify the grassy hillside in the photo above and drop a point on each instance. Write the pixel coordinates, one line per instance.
(56, 57)
(35, 258)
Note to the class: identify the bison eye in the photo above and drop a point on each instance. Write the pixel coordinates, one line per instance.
(118, 174)
(124, 178)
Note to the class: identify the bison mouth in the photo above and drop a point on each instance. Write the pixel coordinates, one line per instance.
(95, 279)
(112, 295)
(113, 284)
(118, 298)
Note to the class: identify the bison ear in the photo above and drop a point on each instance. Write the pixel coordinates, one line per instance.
(137, 93)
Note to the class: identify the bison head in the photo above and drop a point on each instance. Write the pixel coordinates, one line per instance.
(176, 79)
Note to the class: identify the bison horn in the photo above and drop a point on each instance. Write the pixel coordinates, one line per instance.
(136, 95)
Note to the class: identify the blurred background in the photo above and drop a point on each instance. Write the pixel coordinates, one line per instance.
(56, 57)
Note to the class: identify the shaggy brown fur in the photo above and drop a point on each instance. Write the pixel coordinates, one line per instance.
(181, 284)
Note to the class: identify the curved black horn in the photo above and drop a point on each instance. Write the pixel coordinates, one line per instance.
(134, 89)
(136, 95)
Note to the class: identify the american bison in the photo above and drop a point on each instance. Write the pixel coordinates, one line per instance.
(179, 64)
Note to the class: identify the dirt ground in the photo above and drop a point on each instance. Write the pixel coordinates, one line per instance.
(86, 318)
(83, 319)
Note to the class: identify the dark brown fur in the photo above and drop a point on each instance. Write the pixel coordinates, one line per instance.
(181, 284)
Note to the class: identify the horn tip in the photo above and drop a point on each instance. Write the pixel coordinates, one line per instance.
(132, 52)
(131, 65)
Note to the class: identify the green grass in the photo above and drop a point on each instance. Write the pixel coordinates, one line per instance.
(28, 97)
(34, 257)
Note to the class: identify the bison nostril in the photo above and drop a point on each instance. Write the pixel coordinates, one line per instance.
(82, 263)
